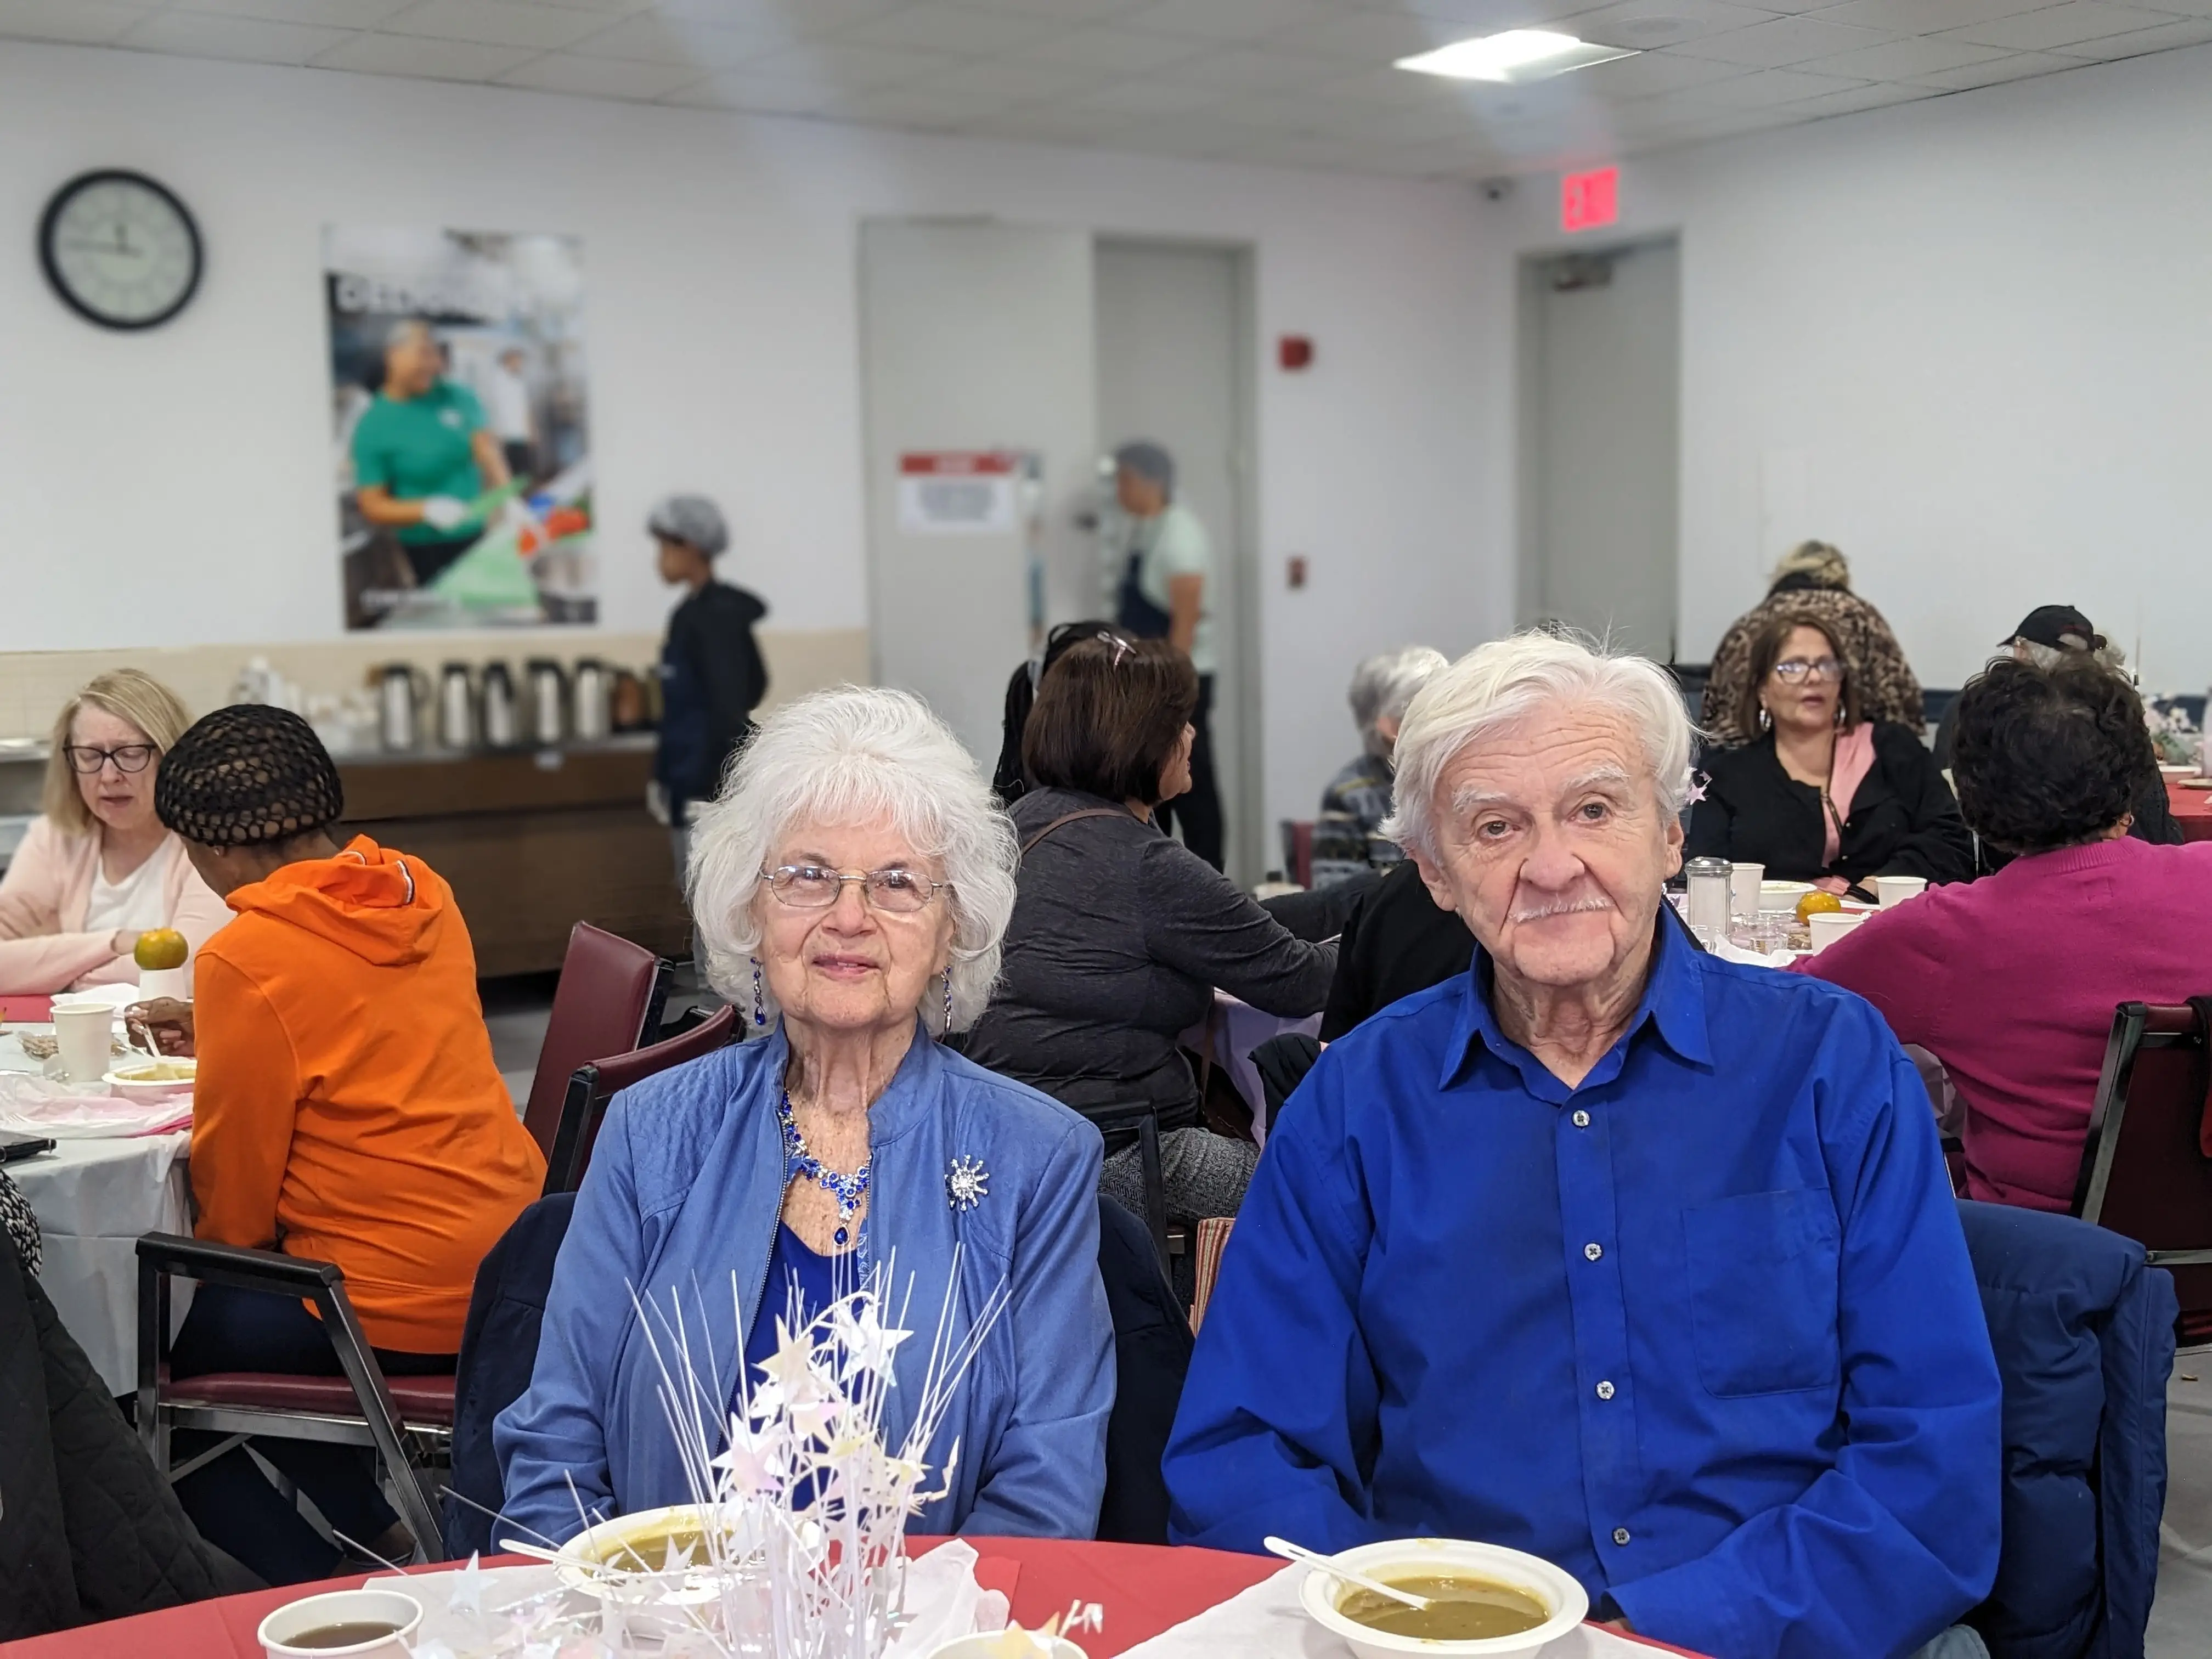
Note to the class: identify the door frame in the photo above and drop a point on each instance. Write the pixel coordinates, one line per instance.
(1528, 368)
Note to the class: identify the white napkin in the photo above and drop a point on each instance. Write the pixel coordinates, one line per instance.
(1267, 1622)
(44, 1106)
(943, 1601)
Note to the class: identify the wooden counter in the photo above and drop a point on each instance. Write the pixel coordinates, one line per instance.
(532, 840)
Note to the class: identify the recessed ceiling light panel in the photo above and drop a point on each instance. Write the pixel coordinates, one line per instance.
(1515, 55)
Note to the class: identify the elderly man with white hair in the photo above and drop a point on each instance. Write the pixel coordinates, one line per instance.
(1348, 840)
(1609, 1250)
(852, 883)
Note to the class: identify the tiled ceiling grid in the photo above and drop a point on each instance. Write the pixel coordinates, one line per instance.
(1285, 82)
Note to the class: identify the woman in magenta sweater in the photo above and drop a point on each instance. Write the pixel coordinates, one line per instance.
(2011, 981)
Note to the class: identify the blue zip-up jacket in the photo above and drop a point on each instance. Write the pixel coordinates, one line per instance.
(684, 1189)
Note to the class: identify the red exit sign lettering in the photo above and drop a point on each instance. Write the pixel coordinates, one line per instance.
(1587, 200)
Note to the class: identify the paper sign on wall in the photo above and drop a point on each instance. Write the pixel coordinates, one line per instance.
(956, 492)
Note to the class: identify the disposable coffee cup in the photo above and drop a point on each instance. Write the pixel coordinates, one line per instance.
(84, 1032)
(1744, 884)
(392, 1618)
(1829, 925)
(1895, 890)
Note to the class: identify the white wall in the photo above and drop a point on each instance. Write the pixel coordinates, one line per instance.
(174, 488)
(1969, 341)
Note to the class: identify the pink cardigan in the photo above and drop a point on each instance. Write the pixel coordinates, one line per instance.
(43, 897)
(2011, 981)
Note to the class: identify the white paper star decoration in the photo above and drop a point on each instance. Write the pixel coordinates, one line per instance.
(967, 1183)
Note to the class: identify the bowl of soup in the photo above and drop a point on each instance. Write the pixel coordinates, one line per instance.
(1483, 1599)
(362, 1624)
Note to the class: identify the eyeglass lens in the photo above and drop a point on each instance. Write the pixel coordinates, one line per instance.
(812, 887)
(1796, 668)
(130, 757)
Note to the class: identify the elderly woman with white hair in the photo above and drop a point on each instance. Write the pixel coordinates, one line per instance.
(1607, 1250)
(851, 884)
(1348, 840)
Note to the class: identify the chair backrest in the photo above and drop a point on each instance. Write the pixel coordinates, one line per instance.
(1211, 1239)
(592, 1085)
(608, 1001)
(1298, 850)
(1151, 1358)
(2144, 1172)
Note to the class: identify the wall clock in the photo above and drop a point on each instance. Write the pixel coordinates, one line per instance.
(120, 249)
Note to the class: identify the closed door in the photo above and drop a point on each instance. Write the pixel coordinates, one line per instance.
(975, 337)
(1168, 371)
(1601, 379)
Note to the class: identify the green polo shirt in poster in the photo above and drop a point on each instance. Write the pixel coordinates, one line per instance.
(419, 448)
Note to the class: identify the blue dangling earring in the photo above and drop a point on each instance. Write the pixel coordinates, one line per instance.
(760, 1002)
(947, 1031)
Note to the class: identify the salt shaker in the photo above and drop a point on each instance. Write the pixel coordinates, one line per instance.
(1708, 881)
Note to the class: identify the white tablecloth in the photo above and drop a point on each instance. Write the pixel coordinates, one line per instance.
(1266, 1622)
(1236, 1029)
(94, 1199)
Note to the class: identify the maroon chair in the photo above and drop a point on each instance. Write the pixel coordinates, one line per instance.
(608, 1002)
(1298, 850)
(406, 1421)
(593, 1085)
(2144, 1172)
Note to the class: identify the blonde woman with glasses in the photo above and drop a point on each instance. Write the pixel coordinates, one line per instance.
(97, 869)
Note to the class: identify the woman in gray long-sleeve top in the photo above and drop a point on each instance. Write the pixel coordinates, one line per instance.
(1120, 933)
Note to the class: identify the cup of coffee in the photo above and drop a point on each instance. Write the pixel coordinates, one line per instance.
(1895, 890)
(362, 1624)
(84, 1032)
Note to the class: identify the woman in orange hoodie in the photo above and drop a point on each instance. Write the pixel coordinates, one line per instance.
(347, 1109)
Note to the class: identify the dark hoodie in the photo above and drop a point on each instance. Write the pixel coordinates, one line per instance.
(347, 1107)
(712, 678)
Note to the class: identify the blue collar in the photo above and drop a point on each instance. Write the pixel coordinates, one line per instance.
(1673, 1005)
(906, 1099)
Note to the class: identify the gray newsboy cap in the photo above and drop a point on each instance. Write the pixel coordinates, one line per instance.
(692, 520)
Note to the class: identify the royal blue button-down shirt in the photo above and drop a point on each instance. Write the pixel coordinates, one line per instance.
(1702, 1330)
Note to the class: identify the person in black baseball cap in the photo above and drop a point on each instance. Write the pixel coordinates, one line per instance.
(2046, 636)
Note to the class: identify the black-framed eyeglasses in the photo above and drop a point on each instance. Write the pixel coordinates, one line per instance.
(1790, 669)
(816, 887)
(129, 757)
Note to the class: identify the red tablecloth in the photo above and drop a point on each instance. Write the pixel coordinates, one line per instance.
(1144, 1591)
(2192, 810)
(27, 1011)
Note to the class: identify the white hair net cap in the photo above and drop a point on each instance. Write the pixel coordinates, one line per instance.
(692, 520)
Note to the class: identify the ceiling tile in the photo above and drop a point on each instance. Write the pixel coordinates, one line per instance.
(330, 14)
(1923, 16)
(1906, 60)
(784, 18)
(601, 78)
(834, 65)
(1780, 43)
(2189, 32)
(1648, 72)
(1110, 50)
(1151, 97)
(1764, 86)
(759, 94)
(677, 40)
(1052, 125)
(904, 107)
(246, 39)
(952, 28)
(1253, 68)
(418, 55)
(1380, 37)
(89, 21)
(1396, 87)
(997, 80)
(1227, 20)
(1284, 111)
(1084, 11)
(1481, 16)
(2057, 27)
(495, 23)
(1875, 95)
(1645, 23)
(2013, 66)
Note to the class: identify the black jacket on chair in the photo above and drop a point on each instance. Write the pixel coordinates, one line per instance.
(89, 1529)
(1904, 820)
(1152, 1356)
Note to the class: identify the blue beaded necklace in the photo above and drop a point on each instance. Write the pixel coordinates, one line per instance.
(846, 1190)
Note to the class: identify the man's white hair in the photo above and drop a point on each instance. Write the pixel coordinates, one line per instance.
(1384, 687)
(1536, 675)
(855, 755)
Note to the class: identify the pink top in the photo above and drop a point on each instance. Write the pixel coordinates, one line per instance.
(2011, 981)
(44, 946)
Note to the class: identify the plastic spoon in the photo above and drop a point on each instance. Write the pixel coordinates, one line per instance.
(1290, 1552)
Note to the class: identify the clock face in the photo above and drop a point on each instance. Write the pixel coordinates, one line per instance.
(120, 250)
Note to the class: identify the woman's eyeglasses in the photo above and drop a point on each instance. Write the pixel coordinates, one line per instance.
(1790, 669)
(130, 757)
(814, 887)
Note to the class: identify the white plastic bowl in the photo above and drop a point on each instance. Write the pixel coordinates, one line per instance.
(1405, 1558)
(130, 1082)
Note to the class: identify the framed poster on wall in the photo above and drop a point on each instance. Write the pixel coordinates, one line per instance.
(460, 453)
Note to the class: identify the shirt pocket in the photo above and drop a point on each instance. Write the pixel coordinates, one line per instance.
(1762, 1271)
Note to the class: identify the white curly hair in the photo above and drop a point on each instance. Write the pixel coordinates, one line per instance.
(847, 756)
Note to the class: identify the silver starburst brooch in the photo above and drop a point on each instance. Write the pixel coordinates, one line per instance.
(967, 1183)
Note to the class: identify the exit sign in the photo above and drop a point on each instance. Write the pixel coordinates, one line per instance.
(1587, 200)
